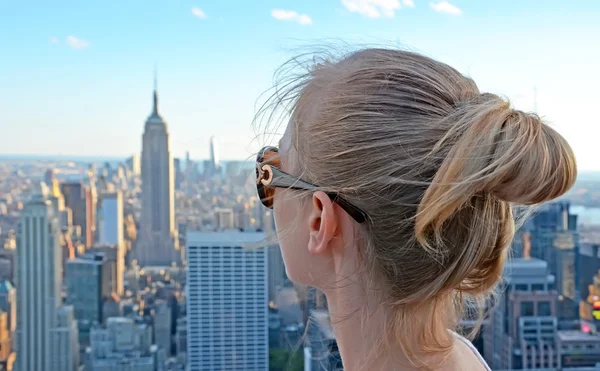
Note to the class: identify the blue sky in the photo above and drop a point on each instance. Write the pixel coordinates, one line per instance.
(76, 76)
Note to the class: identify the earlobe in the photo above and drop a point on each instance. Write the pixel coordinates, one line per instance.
(322, 223)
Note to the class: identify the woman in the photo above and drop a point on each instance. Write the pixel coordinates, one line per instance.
(393, 191)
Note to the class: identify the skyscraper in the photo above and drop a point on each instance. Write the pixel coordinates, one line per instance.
(88, 281)
(158, 244)
(111, 219)
(81, 200)
(227, 310)
(39, 279)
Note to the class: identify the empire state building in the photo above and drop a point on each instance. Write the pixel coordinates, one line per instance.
(158, 243)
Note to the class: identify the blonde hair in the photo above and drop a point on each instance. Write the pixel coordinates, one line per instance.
(436, 165)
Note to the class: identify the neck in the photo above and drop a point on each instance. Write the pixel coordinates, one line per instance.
(360, 327)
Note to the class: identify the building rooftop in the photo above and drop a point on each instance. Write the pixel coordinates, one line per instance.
(574, 335)
(228, 237)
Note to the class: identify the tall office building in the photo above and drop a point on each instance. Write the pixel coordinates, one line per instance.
(39, 280)
(115, 258)
(88, 281)
(64, 338)
(80, 199)
(162, 326)
(111, 219)
(226, 299)
(551, 234)
(522, 329)
(158, 244)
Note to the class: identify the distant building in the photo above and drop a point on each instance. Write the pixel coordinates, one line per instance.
(123, 346)
(577, 349)
(80, 199)
(551, 234)
(41, 319)
(65, 339)
(88, 281)
(226, 300)
(522, 328)
(111, 219)
(158, 243)
(115, 255)
(133, 163)
(162, 326)
(224, 219)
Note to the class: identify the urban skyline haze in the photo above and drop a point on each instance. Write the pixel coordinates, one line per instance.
(78, 77)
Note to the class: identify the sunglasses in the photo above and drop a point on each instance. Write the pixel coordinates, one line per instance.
(269, 176)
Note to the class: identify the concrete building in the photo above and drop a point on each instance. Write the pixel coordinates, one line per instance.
(226, 300)
(123, 346)
(81, 200)
(162, 326)
(115, 257)
(224, 219)
(65, 339)
(110, 223)
(577, 349)
(41, 318)
(522, 329)
(158, 243)
(88, 287)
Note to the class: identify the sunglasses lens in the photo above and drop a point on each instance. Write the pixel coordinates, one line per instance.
(266, 156)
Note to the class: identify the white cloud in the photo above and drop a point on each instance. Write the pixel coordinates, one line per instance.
(408, 3)
(54, 40)
(445, 7)
(375, 8)
(290, 15)
(198, 13)
(77, 43)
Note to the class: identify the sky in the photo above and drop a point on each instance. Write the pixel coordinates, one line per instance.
(76, 77)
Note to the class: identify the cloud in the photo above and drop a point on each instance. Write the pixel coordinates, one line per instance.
(290, 15)
(54, 40)
(198, 13)
(445, 7)
(376, 8)
(77, 43)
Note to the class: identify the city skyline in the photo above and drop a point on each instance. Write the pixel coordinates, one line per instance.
(91, 89)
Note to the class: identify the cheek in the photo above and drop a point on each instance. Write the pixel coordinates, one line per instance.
(292, 233)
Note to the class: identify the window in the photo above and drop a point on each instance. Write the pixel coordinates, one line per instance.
(544, 308)
(526, 308)
(537, 287)
(521, 287)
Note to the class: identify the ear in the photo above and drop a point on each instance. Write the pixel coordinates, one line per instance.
(322, 223)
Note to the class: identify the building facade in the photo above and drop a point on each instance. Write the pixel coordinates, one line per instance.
(158, 243)
(226, 299)
(111, 219)
(39, 280)
(521, 332)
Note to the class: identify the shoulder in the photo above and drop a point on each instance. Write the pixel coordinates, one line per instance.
(465, 348)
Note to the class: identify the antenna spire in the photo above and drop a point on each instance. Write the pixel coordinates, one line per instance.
(155, 104)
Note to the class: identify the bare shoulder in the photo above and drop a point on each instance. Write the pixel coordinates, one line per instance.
(465, 357)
